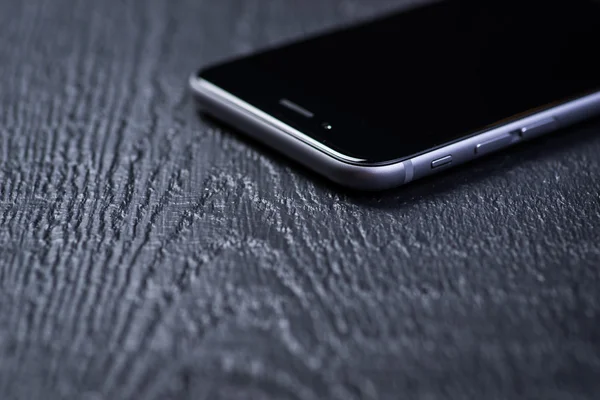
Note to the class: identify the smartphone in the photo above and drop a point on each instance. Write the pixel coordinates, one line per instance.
(398, 98)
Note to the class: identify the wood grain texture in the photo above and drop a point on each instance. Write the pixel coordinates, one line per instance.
(146, 253)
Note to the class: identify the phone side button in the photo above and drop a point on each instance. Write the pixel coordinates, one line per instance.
(441, 161)
(493, 145)
(539, 128)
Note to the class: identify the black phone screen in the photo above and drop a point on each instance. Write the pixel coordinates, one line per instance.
(401, 85)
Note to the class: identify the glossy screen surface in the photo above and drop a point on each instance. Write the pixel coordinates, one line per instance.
(413, 81)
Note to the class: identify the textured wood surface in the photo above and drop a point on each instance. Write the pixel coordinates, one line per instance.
(149, 253)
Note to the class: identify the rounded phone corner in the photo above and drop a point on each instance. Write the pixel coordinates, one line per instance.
(194, 80)
(343, 169)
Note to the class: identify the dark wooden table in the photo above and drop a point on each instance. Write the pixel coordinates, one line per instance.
(149, 253)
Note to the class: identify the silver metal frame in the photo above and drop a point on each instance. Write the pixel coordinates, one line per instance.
(357, 173)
